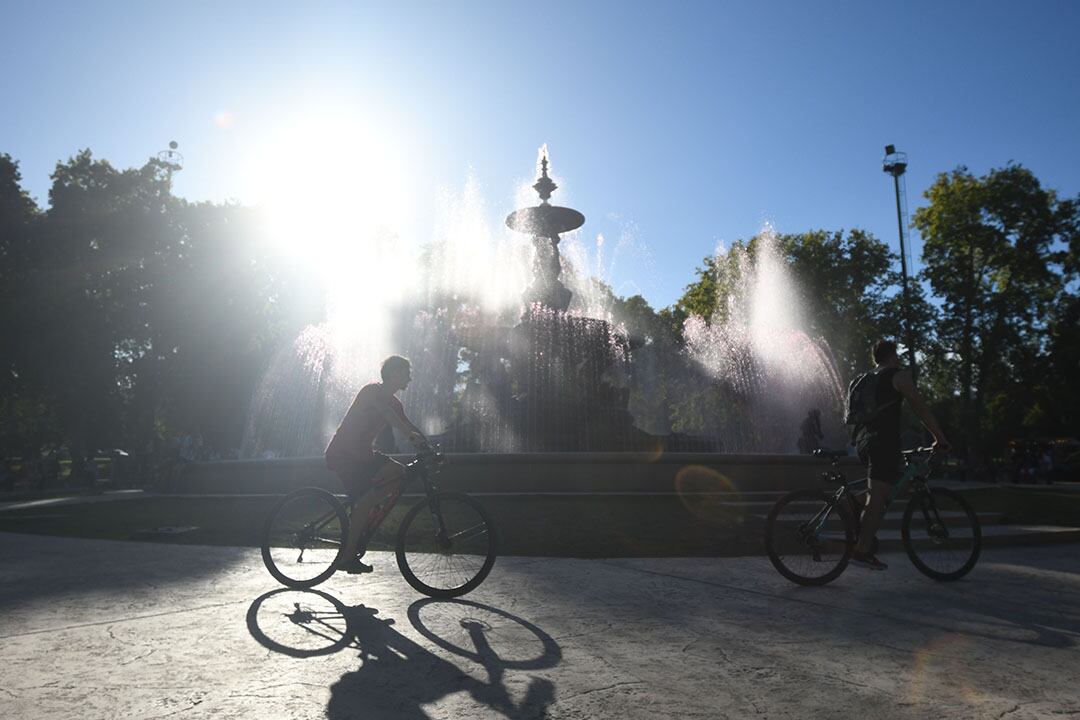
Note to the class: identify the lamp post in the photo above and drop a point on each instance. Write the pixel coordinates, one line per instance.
(171, 159)
(895, 164)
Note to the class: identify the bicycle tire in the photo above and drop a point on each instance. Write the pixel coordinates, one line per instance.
(962, 538)
(423, 557)
(291, 527)
(792, 555)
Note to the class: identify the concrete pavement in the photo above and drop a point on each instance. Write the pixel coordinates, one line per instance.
(104, 629)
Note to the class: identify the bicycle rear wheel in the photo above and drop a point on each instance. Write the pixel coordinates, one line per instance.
(809, 537)
(303, 536)
(941, 534)
(446, 545)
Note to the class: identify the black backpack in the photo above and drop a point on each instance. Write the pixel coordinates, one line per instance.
(862, 405)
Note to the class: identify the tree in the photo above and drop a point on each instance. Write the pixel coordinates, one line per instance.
(701, 297)
(993, 253)
(25, 409)
(137, 314)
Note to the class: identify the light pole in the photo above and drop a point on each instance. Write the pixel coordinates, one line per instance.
(895, 164)
(171, 159)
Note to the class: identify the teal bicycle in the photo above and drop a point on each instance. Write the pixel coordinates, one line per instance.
(810, 534)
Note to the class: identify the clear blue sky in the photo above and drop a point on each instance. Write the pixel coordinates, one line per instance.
(680, 123)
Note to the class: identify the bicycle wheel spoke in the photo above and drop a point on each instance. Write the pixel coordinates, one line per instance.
(303, 537)
(469, 533)
(449, 564)
(807, 539)
(941, 534)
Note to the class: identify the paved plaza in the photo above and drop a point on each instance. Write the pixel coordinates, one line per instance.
(106, 629)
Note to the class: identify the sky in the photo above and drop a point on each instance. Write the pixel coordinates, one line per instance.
(674, 127)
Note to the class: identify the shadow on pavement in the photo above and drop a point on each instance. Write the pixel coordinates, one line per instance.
(399, 676)
(37, 567)
(1028, 605)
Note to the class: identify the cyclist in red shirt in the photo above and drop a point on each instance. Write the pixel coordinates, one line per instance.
(359, 467)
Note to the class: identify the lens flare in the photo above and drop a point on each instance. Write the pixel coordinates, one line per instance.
(709, 495)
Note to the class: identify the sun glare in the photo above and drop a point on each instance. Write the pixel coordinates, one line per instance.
(332, 190)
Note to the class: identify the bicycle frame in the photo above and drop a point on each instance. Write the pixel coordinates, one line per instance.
(915, 472)
(414, 469)
(422, 467)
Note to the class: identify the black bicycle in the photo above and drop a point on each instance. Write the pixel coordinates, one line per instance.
(446, 543)
(810, 534)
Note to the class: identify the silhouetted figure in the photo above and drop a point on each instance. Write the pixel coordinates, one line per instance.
(351, 456)
(810, 434)
(877, 438)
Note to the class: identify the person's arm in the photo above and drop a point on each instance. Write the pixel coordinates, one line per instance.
(905, 386)
(398, 420)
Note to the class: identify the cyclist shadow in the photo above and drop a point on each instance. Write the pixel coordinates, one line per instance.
(398, 676)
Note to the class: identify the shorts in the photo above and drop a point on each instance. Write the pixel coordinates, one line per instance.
(883, 460)
(357, 475)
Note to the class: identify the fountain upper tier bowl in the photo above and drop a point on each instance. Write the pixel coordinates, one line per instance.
(545, 220)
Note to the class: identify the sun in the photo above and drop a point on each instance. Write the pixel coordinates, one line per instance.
(331, 188)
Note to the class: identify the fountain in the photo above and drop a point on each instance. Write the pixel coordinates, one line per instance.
(540, 381)
(557, 381)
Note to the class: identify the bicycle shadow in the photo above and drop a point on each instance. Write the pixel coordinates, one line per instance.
(398, 676)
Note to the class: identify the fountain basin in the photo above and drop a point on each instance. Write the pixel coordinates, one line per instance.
(545, 220)
(561, 473)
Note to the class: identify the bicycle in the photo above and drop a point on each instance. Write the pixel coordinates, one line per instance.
(443, 553)
(810, 534)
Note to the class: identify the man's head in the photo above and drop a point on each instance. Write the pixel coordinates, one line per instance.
(885, 352)
(396, 372)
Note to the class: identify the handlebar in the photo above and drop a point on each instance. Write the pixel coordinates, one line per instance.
(427, 451)
(918, 451)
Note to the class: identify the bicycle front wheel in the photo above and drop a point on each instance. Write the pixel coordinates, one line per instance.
(809, 537)
(303, 536)
(941, 534)
(446, 545)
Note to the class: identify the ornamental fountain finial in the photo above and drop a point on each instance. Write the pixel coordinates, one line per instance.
(544, 222)
(544, 185)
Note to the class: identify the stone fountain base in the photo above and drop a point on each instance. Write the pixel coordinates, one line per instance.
(563, 473)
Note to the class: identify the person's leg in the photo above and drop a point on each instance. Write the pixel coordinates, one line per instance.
(387, 479)
(873, 514)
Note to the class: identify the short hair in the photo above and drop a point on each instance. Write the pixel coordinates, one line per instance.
(394, 362)
(883, 350)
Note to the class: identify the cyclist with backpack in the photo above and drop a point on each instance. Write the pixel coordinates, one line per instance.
(874, 404)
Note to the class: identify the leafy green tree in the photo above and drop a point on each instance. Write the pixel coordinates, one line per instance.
(701, 297)
(25, 408)
(850, 291)
(138, 315)
(993, 253)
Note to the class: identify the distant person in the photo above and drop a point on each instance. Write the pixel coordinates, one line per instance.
(52, 468)
(810, 434)
(1046, 464)
(90, 474)
(878, 440)
(353, 459)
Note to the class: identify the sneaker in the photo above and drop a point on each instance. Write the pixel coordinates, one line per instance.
(355, 567)
(867, 560)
